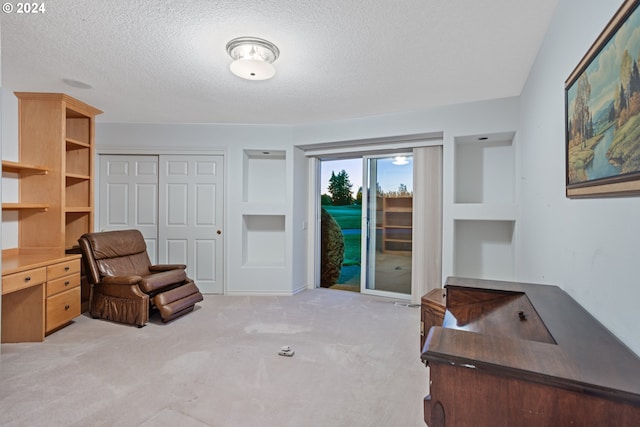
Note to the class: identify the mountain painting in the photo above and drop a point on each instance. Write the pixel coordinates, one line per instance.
(603, 110)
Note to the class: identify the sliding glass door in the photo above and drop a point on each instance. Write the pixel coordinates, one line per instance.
(387, 225)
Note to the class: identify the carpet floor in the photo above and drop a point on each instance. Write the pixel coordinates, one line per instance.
(356, 363)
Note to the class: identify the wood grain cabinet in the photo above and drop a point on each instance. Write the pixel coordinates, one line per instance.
(432, 309)
(63, 293)
(519, 354)
(55, 207)
(40, 294)
(56, 135)
(23, 303)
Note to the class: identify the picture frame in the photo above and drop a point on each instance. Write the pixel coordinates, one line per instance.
(602, 112)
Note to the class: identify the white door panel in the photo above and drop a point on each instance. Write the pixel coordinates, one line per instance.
(130, 186)
(205, 198)
(205, 250)
(118, 196)
(177, 198)
(176, 202)
(146, 204)
(176, 251)
(190, 224)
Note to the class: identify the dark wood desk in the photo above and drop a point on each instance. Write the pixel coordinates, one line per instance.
(516, 354)
(432, 309)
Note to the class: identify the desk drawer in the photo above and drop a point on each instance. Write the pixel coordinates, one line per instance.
(63, 269)
(62, 308)
(62, 284)
(24, 279)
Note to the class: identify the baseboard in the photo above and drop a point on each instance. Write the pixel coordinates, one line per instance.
(267, 293)
(260, 293)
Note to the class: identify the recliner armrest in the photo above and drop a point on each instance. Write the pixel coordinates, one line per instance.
(167, 267)
(121, 280)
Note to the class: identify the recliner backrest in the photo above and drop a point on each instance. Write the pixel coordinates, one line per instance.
(115, 253)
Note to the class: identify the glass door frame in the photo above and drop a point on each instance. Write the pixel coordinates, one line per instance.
(369, 234)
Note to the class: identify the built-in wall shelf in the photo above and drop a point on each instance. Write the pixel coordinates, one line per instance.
(485, 169)
(264, 176)
(262, 262)
(484, 249)
(263, 208)
(16, 167)
(263, 240)
(484, 209)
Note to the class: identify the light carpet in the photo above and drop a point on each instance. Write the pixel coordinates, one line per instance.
(356, 363)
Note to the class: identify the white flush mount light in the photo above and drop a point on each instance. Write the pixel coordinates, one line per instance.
(400, 160)
(252, 58)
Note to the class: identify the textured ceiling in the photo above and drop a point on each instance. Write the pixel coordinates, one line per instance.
(165, 61)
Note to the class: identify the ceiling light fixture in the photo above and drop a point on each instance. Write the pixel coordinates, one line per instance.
(400, 160)
(252, 58)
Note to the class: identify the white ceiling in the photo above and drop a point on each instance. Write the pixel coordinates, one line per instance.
(165, 61)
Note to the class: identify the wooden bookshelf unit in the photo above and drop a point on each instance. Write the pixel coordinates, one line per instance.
(396, 223)
(41, 283)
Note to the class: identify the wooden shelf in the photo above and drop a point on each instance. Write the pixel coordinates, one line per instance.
(16, 167)
(395, 209)
(55, 171)
(20, 206)
(396, 224)
(78, 209)
(74, 144)
(78, 176)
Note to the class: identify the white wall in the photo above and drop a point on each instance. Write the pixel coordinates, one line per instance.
(300, 220)
(478, 118)
(9, 152)
(459, 120)
(232, 140)
(587, 247)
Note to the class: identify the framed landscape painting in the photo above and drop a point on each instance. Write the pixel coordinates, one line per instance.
(602, 112)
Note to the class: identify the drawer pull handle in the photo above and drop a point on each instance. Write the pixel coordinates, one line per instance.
(66, 307)
(66, 268)
(28, 278)
(67, 283)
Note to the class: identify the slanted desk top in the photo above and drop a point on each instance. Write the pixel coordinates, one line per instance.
(533, 333)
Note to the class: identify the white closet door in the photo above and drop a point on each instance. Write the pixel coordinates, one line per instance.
(129, 196)
(190, 217)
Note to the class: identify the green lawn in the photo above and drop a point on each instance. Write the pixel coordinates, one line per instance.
(348, 218)
(351, 249)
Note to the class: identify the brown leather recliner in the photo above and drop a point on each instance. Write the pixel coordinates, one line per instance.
(125, 286)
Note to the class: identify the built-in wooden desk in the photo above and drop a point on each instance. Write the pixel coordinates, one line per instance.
(40, 294)
(515, 354)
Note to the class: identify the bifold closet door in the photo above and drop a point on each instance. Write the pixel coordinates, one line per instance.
(190, 217)
(128, 196)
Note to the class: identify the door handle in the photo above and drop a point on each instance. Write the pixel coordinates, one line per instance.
(219, 232)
